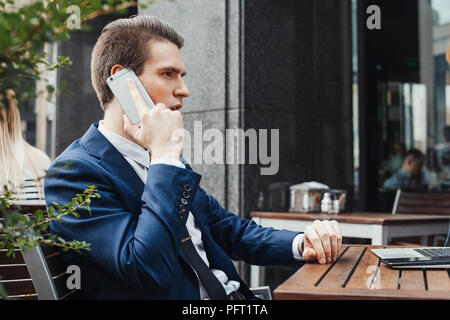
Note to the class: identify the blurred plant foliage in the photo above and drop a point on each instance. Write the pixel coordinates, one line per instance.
(24, 30)
(20, 230)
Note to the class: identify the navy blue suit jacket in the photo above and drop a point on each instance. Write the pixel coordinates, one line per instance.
(135, 229)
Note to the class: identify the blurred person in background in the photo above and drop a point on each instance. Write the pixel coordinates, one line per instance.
(22, 166)
(396, 161)
(410, 176)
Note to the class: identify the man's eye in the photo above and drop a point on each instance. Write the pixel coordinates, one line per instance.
(167, 73)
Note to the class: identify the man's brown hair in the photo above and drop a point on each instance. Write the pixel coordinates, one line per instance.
(125, 42)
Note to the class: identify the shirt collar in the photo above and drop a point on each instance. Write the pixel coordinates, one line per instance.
(126, 147)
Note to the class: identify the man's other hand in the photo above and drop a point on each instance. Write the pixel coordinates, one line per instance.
(322, 241)
(161, 129)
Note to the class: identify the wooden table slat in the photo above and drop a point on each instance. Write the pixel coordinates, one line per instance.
(310, 273)
(412, 280)
(368, 268)
(438, 280)
(336, 277)
(387, 278)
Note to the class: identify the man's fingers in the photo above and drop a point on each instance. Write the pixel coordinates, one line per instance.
(324, 238)
(333, 239)
(136, 97)
(338, 231)
(313, 237)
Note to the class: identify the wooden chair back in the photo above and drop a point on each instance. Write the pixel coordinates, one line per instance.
(421, 203)
(15, 278)
(37, 274)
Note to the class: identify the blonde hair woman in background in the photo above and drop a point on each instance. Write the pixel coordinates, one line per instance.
(22, 166)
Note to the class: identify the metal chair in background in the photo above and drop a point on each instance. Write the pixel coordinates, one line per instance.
(48, 273)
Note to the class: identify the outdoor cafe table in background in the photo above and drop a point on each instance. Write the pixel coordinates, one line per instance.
(360, 274)
(379, 227)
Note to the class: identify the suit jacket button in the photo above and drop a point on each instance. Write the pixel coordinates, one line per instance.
(182, 208)
(184, 201)
(180, 215)
(187, 187)
(186, 194)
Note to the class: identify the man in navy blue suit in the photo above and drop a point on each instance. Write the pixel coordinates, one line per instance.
(150, 196)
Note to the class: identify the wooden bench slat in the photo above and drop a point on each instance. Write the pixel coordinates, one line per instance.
(72, 295)
(24, 286)
(47, 250)
(436, 196)
(55, 265)
(10, 272)
(10, 260)
(61, 285)
(32, 296)
(423, 210)
(424, 203)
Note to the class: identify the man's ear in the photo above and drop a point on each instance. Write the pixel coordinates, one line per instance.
(116, 68)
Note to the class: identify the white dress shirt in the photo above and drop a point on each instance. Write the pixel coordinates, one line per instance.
(139, 159)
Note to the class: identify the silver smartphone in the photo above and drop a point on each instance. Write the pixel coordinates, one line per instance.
(118, 85)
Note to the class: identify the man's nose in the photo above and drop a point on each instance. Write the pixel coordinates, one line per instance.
(182, 90)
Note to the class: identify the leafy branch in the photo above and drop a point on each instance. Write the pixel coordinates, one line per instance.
(24, 32)
(20, 230)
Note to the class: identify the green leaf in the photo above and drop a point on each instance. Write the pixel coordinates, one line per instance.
(51, 211)
(38, 215)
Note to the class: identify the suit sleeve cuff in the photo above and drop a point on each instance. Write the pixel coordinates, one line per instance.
(295, 249)
(169, 161)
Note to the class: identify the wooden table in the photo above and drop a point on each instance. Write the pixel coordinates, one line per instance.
(359, 274)
(378, 227)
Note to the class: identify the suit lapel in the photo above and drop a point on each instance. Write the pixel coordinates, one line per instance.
(112, 160)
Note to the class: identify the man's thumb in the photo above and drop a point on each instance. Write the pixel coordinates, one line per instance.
(309, 254)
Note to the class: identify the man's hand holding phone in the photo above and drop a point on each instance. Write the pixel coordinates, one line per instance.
(161, 129)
